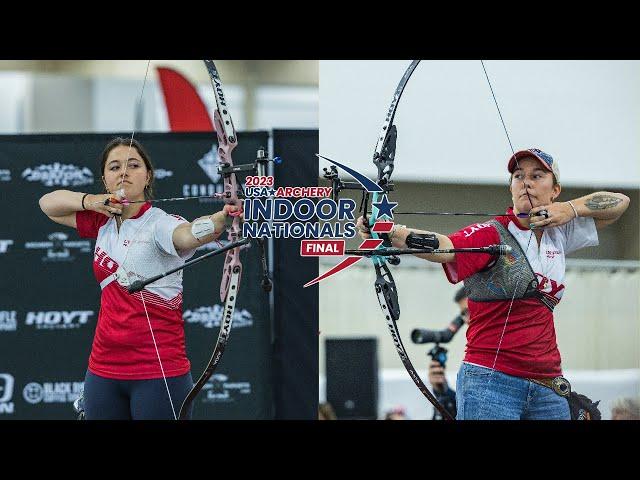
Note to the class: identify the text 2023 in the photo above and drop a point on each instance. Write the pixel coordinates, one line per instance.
(255, 181)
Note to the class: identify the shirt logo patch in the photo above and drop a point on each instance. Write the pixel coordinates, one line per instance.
(475, 228)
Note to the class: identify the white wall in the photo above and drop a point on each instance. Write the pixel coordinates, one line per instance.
(13, 88)
(286, 107)
(584, 113)
(39, 103)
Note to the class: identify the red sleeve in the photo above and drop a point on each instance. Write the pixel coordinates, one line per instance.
(466, 264)
(89, 222)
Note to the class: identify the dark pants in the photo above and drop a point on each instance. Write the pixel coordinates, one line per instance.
(109, 399)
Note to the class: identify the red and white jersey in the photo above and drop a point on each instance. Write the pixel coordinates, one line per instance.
(528, 348)
(123, 345)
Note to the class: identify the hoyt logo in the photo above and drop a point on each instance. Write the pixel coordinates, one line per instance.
(58, 320)
(218, 83)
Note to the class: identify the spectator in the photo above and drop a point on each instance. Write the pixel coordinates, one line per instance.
(626, 409)
(396, 413)
(443, 393)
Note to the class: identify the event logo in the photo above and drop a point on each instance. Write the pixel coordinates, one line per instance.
(59, 248)
(6, 393)
(211, 317)
(51, 392)
(58, 320)
(8, 321)
(220, 390)
(327, 244)
(59, 175)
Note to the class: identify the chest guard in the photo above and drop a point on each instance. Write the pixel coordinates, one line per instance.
(508, 277)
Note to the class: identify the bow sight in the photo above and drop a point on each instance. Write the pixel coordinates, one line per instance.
(259, 166)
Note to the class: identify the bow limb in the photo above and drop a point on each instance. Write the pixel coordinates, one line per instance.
(388, 299)
(385, 286)
(232, 269)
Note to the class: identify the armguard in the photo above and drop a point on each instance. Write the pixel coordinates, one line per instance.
(202, 227)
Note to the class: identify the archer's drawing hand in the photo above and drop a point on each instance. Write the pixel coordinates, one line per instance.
(98, 203)
(557, 213)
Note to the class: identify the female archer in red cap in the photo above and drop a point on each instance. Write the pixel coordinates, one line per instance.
(512, 366)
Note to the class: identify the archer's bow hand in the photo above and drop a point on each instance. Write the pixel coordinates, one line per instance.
(224, 218)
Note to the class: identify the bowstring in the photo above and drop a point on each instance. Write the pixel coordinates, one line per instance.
(122, 194)
(513, 152)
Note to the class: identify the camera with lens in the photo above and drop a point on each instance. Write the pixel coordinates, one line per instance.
(437, 353)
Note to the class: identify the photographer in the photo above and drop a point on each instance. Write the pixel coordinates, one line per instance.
(445, 395)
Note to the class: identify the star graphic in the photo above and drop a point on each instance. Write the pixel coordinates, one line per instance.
(385, 207)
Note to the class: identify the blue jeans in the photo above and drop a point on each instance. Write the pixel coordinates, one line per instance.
(485, 394)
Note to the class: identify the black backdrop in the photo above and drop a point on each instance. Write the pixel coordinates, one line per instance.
(49, 299)
(296, 309)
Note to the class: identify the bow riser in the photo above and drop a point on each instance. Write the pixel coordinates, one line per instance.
(387, 292)
(225, 147)
(227, 141)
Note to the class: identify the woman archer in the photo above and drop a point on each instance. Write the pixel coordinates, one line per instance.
(512, 365)
(136, 370)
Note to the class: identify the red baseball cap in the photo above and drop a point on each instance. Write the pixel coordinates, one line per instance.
(545, 159)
